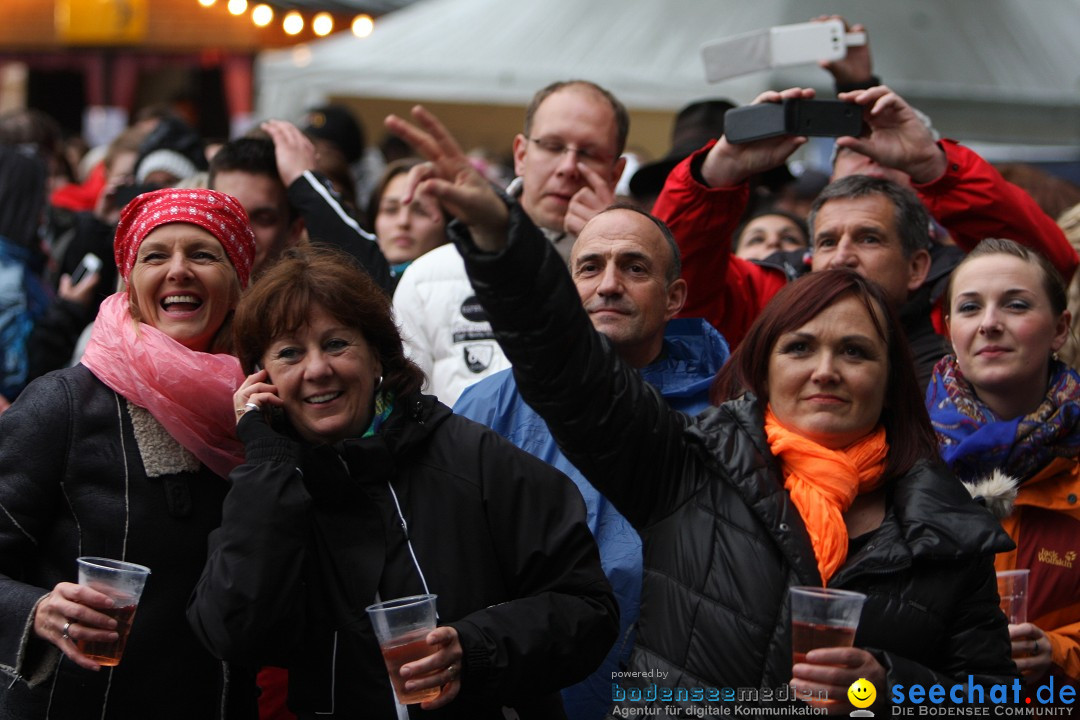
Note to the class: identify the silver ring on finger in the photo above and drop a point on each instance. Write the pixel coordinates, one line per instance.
(453, 671)
(64, 632)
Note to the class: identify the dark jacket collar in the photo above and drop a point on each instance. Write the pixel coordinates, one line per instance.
(410, 424)
(929, 514)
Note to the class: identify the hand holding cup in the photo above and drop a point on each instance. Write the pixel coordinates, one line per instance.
(423, 661)
(89, 622)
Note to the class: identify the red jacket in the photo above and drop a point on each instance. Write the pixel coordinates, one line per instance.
(971, 200)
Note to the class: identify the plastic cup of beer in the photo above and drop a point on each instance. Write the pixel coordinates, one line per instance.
(123, 582)
(1013, 591)
(401, 627)
(823, 618)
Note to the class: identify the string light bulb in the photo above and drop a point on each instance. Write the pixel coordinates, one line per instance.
(362, 26)
(262, 15)
(322, 24)
(293, 23)
(207, 3)
(238, 7)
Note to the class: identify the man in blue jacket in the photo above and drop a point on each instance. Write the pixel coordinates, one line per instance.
(626, 267)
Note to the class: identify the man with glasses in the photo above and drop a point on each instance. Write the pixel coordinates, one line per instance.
(567, 162)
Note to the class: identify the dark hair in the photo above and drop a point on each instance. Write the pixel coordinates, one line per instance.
(27, 126)
(1051, 278)
(395, 168)
(23, 195)
(283, 298)
(911, 217)
(904, 416)
(675, 260)
(622, 117)
(765, 212)
(254, 155)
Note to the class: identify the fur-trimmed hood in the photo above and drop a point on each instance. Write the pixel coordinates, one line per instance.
(996, 492)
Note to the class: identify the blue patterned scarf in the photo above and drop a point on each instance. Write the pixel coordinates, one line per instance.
(384, 405)
(973, 440)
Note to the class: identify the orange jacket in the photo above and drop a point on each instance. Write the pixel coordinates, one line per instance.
(1045, 525)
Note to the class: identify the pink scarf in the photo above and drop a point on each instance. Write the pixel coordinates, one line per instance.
(188, 392)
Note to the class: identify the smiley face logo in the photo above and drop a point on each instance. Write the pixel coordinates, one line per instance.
(862, 693)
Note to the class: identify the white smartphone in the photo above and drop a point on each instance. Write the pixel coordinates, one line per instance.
(776, 47)
(807, 42)
(89, 265)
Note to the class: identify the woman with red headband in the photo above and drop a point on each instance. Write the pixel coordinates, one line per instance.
(123, 456)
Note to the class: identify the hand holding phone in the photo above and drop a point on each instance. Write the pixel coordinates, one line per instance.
(79, 287)
(728, 164)
(811, 42)
(89, 265)
(793, 116)
(258, 394)
(898, 137)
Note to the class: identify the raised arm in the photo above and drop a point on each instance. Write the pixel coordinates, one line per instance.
(702, 202)
(960, 189)
(325, 217)
(855, 70)
(451, 179)
(613, 427)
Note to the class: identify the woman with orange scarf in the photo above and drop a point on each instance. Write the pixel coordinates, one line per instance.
(817, 467)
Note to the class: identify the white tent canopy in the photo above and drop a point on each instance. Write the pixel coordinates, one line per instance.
(992, 70)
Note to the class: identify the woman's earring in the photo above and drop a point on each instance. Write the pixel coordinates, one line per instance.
(378, 383)
(1054, 356)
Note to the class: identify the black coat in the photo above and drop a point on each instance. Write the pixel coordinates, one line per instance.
(499, 536)
(73, 481)
(722, 540)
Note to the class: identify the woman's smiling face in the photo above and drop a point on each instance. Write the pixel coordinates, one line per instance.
(326, 373)
(1003, 330)
(183, 284)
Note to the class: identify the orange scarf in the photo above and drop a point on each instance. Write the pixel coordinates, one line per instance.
(823, 483)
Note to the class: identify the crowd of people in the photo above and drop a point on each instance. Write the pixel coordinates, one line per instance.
(609, 433)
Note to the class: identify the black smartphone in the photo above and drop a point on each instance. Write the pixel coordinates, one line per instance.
(89, 265)
(793, 116)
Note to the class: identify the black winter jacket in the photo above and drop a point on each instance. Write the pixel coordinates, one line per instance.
(74, 480)
(722, 540)
(499, 536)
(329, 223)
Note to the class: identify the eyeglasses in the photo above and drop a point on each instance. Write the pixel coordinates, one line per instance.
(557, 148)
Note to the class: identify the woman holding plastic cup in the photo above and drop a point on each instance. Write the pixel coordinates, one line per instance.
(358, 489)
(1007, 418)
(818, 467)
(123, 457)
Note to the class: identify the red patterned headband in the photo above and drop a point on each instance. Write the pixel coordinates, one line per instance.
(219, 214)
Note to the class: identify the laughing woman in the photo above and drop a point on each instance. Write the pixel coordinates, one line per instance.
(124, 456)
(1003, 403)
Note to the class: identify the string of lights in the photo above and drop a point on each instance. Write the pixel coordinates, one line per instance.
(293, 22)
